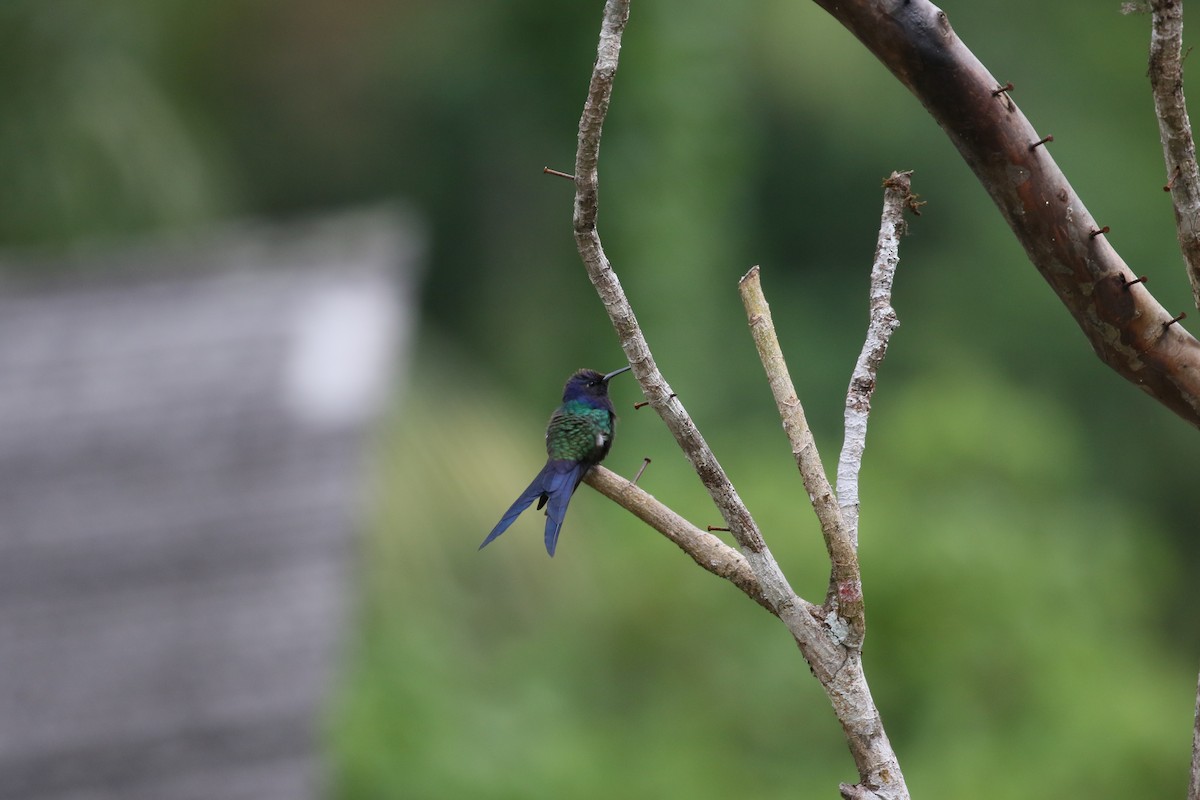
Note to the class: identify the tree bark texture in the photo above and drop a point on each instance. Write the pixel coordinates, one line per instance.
(1129, 330)
(1175, 131)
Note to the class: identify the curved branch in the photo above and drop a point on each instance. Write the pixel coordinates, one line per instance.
(1129, 330)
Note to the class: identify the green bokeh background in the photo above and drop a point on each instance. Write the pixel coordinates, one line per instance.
(1029, 519)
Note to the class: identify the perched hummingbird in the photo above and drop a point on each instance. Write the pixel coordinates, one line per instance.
(577, 439)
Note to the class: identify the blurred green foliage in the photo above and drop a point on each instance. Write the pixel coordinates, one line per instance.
(1028, 523)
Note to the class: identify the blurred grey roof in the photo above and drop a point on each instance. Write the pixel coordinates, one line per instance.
(181, 462)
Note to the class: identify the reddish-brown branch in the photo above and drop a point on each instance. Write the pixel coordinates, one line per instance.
(913, 38)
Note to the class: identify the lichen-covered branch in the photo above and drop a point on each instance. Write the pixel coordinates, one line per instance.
(897, 196)
(1194, 780)
(1128, 329)
(1175, 130)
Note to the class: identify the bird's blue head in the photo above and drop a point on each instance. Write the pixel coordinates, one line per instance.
(589, 386)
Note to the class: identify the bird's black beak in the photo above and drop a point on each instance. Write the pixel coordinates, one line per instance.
(616, 372)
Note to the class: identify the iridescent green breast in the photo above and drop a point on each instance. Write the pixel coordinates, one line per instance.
(580, 433)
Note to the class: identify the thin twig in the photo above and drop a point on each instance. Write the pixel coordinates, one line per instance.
(845, 583)
(897, 195)
(1175, 130)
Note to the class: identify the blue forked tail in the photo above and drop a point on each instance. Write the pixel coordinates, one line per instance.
(552, 488)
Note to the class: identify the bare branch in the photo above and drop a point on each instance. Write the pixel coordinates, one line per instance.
(838, 669)
(1125, 325)
(1175, 131)
(775, 587)
(883, 322)
(705, 549)
(837, 666)
(845, 583)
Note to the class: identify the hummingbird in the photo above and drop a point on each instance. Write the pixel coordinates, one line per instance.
(578, 438)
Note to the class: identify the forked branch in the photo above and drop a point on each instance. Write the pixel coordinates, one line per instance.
(845, 584)
(829, 637)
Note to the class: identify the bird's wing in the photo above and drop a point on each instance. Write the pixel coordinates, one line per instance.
(578, 435)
